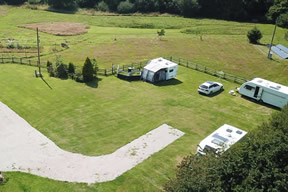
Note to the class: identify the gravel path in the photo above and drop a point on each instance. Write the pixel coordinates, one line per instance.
(23, 148)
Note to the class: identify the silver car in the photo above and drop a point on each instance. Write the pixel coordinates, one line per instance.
(210, 87)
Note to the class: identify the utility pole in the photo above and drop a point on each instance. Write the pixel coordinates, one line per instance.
(38, 41)
(272, 40)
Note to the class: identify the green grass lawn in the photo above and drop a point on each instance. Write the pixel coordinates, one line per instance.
(126, 39)
(95, 121)
(100, 117)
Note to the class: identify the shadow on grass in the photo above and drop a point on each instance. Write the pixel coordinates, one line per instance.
(71, 11)
(94, 83)
(46, 83)
(212, 94)
(261, 103)
(168, 82)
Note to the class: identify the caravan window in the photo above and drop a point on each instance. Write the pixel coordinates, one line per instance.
(171, 70)
(249, 87)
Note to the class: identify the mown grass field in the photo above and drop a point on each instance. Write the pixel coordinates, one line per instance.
(100, 117)
(126, 39)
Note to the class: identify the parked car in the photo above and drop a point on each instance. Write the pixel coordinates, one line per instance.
(210, 87)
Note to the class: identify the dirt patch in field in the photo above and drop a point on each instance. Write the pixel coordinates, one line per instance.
(59, 28)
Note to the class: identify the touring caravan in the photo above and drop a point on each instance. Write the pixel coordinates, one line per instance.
(159, 70)
(265, 91)
(220, 140)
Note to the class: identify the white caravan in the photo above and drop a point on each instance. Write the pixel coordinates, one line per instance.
(159, 70)
(220, 140)
(265, 91)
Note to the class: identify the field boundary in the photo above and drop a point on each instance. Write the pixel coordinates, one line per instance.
(139, 65)
(207, 70)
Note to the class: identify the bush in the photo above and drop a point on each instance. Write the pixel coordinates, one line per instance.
(125, 7)
(88, 70)
(254, 35)
(102, 6)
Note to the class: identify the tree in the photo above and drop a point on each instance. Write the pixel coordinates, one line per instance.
(88, 70)
(63, 4)
(14, 2)
(61, 69)
(125, 7)
(71, 68)
(161, 33)
(254, 35)
(189, 8)
(102, 6)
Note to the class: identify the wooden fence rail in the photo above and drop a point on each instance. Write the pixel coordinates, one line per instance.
(207, 70)
(113, 69)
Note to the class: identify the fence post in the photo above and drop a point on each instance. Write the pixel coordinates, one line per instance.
(187, 64)
(205, 69)
(224, 76)
(2, 60)
(123, 67)
(196, 67)
(179, 61)
(21, 61)
(112, 68)
(29, 62)
(171, 58)
(12, 59)
(140, 65)
(105, 72)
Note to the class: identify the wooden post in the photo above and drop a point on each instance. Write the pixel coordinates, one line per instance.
(171, 58)
(123, 67)
(112, 68)
(224, 76)
(179, 61)
(2, 60)
(29, 62)
(12, 59)
(205, 69)
(196, 67)
(21, 61)
(105, 72)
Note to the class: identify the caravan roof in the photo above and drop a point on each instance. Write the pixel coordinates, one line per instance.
(223, 138)
(159, 63)
(270, 85)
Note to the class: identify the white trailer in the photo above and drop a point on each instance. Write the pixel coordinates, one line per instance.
(159, 70)
(265, 91)
(220, 140)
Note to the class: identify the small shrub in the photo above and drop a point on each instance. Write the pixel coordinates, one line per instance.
(254, 35)
(161, 33)
(88, 70)
(125, 7)
(102, 6)
(49, 64)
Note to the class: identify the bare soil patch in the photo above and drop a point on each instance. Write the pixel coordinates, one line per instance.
(59, 28)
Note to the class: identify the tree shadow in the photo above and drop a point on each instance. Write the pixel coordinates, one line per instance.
(94, 83)
(212, 94)
(168, 83)
(71, 11)
(261, 103)
(46, 83)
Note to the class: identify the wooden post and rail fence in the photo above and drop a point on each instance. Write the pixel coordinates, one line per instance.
(140, 65)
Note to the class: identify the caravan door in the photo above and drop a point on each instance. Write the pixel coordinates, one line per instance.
(258, 93)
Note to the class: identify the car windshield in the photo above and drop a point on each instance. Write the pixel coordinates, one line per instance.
(204, 86)
(210, 82)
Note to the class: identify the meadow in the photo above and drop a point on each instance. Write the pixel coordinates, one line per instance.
(99, 117)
